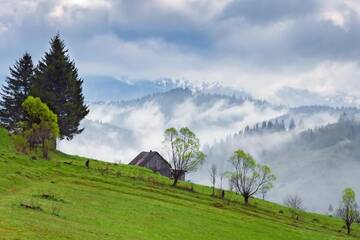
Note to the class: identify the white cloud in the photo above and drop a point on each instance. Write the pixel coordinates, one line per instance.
(68, 13)
(193, 40)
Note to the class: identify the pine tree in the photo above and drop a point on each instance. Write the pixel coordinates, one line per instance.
(14, 93)
(57, 83)
(292, 124)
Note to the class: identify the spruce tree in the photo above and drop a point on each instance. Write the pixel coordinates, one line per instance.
(14, 92)
(57, 83)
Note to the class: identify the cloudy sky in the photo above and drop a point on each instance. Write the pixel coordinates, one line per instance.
(258, 45)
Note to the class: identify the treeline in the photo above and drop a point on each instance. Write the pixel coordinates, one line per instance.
(44, 102)
(269, 126)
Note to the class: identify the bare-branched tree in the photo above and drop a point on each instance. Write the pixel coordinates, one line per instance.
(295, 203)
(264, 191)
(221, 175)
(213, 175)
(330, 209)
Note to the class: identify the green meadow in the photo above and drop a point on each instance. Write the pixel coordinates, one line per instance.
(61, 199)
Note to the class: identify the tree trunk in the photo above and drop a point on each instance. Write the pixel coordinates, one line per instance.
(176, 178)
(45, 150)
(222, 194)
(213, 191)
(348, 226)
(246, 199)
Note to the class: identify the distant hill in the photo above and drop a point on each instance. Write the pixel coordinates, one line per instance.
(103, 88)
(315, 163)
(61, 199)
(106, 88)
(295, 97)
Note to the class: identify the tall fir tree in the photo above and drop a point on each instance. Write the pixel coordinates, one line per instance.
(57, 83)
(14, 92)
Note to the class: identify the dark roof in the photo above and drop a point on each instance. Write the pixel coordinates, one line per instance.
(142, 158)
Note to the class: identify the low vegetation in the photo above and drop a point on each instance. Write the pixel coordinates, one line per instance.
(63, 199)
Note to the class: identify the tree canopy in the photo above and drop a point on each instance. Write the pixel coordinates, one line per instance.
(38, 112)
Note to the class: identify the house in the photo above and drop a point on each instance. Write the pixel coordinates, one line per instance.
(154, 161)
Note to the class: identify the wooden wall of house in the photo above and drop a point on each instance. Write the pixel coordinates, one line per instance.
(158, 165)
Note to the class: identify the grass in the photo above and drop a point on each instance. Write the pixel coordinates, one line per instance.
(62, 199)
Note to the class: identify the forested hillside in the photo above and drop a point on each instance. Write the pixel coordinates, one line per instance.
(313, 163)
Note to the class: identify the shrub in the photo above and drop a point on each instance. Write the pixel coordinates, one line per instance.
(33, 205)
(104, 171)
(218, 205)
(55, 209)
(20, 143)
(51, 197)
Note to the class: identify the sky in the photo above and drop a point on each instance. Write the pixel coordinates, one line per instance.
(257, 45)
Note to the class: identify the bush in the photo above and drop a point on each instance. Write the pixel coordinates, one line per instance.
(21, 144)
(55, 209)
(118, 173)
(218, 205)
(51, 197)
(33, 205)
(104, 171)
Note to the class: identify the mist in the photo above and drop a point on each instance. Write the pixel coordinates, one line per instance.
(118, 132)
(315, 161)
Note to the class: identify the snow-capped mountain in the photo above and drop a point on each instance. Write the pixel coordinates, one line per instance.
(105, 88)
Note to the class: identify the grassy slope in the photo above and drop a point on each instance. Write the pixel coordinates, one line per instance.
(126, 202)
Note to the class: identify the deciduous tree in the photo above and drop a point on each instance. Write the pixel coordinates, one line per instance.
(213, 175)
(249, 177)
(295, 203)
(348, 210)
(183, 148)
(41, 127)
